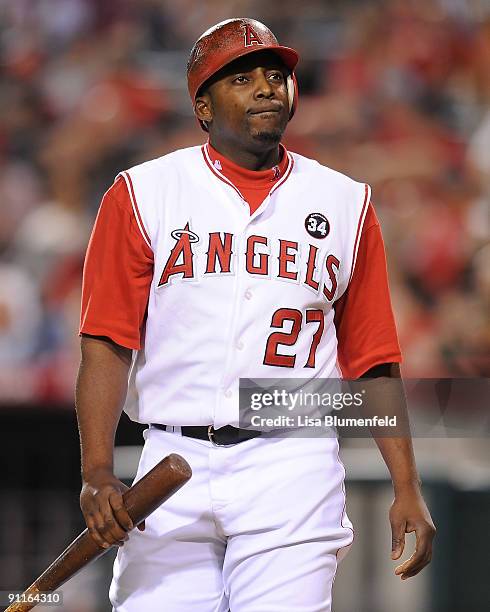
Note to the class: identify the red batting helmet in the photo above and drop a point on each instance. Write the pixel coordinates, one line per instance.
(229, 40)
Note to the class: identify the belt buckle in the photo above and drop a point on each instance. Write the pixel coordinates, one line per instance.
(212, 438)
(211, 432)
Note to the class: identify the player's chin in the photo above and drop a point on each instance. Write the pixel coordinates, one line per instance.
(267, 135)
(267, 127)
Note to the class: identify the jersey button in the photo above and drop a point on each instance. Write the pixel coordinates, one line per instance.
(248, 294)
(228, 393)
(239, 345)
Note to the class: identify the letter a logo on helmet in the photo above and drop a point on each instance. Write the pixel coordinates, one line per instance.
(251, 37)
(229, 40)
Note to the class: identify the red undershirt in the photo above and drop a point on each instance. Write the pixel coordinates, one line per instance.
(254, 185)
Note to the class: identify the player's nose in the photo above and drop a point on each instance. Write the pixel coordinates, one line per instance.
(263, 88)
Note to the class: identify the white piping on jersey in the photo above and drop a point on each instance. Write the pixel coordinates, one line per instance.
(136, 211)
(365, 205)
(205, 152)
(212, 167)
(286, 174)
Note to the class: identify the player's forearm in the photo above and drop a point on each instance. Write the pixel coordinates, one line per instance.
(399, 458)
(384, 389)
(100, 394)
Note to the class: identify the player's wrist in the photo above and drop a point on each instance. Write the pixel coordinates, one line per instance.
(93, 472)
(407, 486)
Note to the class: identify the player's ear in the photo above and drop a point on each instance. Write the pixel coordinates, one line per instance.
(203, 108)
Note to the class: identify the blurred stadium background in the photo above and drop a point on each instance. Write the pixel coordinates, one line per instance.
(395, 93)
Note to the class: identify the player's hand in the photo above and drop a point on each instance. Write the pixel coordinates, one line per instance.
(103, 509)
(409, 513)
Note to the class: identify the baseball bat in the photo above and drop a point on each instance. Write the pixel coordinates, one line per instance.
(165, 479)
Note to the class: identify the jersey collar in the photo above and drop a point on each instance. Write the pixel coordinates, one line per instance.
(241, 178)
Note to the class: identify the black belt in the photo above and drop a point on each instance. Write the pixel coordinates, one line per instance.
(221, 437)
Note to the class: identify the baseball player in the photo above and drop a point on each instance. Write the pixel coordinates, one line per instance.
(234, 259)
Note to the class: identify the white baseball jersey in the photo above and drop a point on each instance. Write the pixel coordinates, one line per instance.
(236, 295)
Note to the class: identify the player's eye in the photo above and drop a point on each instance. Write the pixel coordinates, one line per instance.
(240, 78)
(276, 76)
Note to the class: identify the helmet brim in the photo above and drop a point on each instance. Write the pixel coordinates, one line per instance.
(287, 55)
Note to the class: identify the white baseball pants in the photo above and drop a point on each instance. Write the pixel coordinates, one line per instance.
(258, 528)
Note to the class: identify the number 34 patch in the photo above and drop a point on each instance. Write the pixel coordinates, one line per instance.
(317, 225)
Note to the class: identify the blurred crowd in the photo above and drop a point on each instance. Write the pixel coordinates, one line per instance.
(395, 93)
